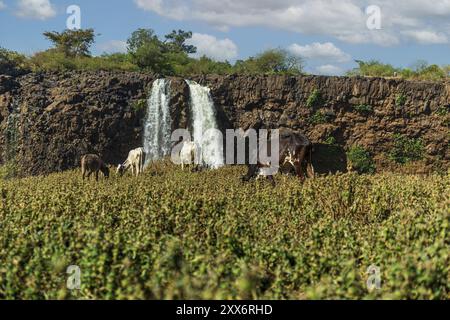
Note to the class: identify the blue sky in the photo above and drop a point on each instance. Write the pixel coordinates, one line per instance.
(328, 34)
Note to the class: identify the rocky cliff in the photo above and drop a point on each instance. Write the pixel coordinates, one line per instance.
(47, 121)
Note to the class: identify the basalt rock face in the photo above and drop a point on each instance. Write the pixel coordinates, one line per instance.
(58, 117)
(415, 109)
(47, 121)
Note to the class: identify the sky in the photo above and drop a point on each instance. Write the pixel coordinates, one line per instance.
(328, 34)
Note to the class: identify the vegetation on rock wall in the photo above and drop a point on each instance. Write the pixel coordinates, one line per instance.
(361, 160)
(406, 149)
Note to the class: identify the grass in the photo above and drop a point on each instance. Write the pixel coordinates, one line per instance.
(177, 235)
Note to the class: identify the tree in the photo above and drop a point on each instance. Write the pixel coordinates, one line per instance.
(176, 41)
(72, 43)
(148, 52)
(446, 69)
(269, 62)
(141, 37)
(373, 68)
(419, 66)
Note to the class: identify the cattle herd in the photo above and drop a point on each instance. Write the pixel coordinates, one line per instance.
(295, 150)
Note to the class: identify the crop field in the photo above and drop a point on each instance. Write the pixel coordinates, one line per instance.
(179, 235)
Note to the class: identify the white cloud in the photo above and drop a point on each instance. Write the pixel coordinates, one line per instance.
(319, 51)
(210, 46)
(329, 70)
(426, 37)
(113, 46)
(344, 19)
(35, 9)
(2, 5)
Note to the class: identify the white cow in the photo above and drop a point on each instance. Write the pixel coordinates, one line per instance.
(188, 154)
(135, 161)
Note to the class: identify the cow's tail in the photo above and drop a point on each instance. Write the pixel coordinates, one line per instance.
(313, 173)
(141, 161)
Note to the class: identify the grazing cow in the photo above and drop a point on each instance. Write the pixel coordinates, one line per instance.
(135, 161)
(189, 154)
(294, 148)
(92, 163)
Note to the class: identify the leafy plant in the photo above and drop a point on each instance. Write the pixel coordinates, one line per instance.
(171, 234)
(406, 149)
(320, 117)
(315, 99)
(363, 109)
(400, 100)
(330, 140)
(139, 105)
(443, 110)
(360, 160)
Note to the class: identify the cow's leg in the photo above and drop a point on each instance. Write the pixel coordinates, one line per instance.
(250, 172)
(298, 163)
(271, 180)
(96, 175)
(83, 173)
(310, 170)
(89, 175)
(309, 166)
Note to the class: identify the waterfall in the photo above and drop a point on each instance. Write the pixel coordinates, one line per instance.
(203, 120)
(158, 122)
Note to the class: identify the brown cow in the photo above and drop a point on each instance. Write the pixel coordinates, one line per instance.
(91, 163)
(294, 148)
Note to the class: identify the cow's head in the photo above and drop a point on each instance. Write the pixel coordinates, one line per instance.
(120, 170)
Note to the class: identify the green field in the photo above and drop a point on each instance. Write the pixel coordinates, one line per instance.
(177, 235)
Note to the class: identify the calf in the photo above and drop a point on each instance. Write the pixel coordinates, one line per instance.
(189, 153)
(135, 161)
(92, 163)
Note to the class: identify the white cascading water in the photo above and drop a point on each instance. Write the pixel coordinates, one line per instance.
(204, 119)
(158, 123)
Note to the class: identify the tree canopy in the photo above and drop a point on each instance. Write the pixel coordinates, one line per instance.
(72, 43)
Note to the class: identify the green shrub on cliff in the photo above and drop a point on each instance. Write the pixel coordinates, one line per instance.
(139, 105)
(12, 62)
(363, 109)
(320, 117)
(315, 99)
(400, 100)
(443, 110)
(406, 149)
(361, 160)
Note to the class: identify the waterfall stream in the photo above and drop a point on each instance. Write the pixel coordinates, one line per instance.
(158, 123)
(205, 125)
